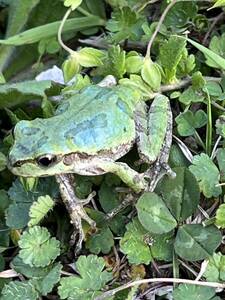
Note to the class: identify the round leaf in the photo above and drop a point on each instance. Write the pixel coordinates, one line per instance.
(154, 215)
(195, 242)
(181, 194)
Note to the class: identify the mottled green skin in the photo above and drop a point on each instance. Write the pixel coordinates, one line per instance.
(95, 121)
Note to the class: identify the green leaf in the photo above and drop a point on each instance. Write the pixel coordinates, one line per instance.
(72, 3)
(47, 282)
(163, 246)
(220, 125)
(39, 209)
(181, 195)
(17, 290)
(134, 63)
(170, 54)
(190, 95)
(114, 63)
(102, 241)
(90, 57)
(91, 280)
(209, 54)
(3, 161)
(150, 73)
(217, 45)
(219, 3)
(220, 216)
(16, 93)
(195, 242)
(71, 67)
(124, 24)
(185, 291)
(207, 175)
(220, 156)
(188, 121)
(48, 30)
(215, 270)
(154, 215)
(37, 247)
(134, 244)
(17, 214)
(137, 83)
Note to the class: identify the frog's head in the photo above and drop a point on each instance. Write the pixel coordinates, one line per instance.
(35, 152)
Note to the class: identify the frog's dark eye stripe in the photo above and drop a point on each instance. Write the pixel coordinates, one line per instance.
(46, 160)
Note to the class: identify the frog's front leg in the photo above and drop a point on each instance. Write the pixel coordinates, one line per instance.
(132, 178)
(154, 138)
(75, 208)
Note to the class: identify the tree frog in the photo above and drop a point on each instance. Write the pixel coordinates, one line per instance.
(90, 131)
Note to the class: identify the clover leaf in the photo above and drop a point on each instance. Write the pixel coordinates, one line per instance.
(188, 121)
(220, 216)
(72, 3)
(206, 174)
(91, 280)
(215, 270)
(37, 247)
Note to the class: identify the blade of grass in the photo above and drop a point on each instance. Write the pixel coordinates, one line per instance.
(45, 31)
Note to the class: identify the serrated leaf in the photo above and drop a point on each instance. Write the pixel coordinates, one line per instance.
(47, 282)
(133, 244)
(91, 280)
(181, 195)
(188, 121)
(154, 215)
(17, 290)
(125, 23)
(170, 54)
(37, 247)
(39, 209)
(215, 270)
(185, 291)
(17, 214)
(114, 63)
(207, 175)
(195, 242)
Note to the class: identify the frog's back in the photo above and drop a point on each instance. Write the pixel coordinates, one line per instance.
(98, 119)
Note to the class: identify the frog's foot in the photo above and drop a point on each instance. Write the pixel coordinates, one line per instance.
(156, 172)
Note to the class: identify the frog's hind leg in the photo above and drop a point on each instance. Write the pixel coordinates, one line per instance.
(154, 137)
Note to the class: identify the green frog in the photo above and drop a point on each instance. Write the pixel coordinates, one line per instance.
(89, 133)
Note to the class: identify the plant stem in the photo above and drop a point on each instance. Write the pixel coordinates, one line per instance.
(84, 12)
(200, 141)
(209, 125)
(148, 52)
(110, 293)
(70, 51)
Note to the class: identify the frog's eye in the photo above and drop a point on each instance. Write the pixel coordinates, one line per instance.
(46, 160)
